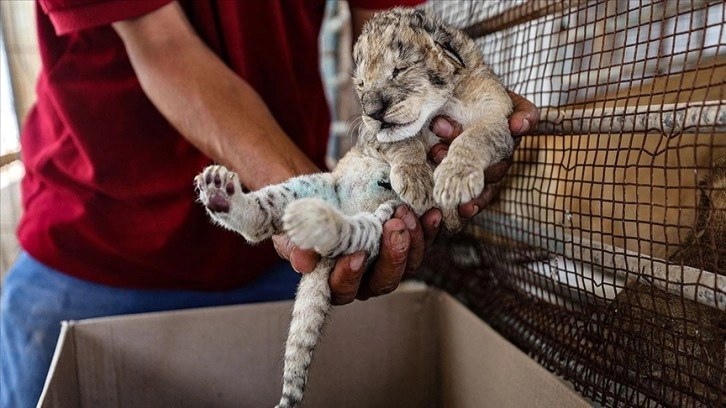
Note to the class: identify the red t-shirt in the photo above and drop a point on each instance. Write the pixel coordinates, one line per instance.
(108, 194)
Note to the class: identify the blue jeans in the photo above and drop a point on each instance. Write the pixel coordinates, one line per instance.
(36, 298)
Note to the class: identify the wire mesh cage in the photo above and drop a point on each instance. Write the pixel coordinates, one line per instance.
(604, 255)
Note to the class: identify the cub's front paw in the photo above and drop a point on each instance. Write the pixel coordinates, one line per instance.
(217, 186)
(457, 183)
(415, 185)
(311, 223)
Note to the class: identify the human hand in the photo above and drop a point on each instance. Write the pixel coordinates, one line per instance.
(403, 244)
(524, 118)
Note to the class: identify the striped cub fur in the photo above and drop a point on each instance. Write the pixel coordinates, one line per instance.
(410, 67)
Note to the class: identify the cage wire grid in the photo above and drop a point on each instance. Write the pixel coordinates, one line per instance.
(604, 255)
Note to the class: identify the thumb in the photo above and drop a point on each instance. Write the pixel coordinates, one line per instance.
(302, 260)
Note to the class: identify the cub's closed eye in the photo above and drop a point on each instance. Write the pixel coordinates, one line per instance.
(397, 71)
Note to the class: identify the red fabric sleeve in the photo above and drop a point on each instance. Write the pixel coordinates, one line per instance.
(383, 4)
(73, 15)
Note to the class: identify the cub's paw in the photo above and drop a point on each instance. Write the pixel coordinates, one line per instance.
(217, 186)
(312, 223)
(457, 183)
(415, 185)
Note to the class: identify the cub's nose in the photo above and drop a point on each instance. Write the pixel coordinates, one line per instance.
(379, 114)
(376, 106)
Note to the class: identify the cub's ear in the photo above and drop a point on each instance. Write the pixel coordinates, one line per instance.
(424, 20)
(451, 53)
(442, 35)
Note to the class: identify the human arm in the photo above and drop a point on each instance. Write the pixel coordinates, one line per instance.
(210, 105)
(225, 118)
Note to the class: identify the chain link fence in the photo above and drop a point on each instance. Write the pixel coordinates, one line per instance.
(604, 255)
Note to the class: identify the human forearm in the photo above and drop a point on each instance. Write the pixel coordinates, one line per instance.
(208, 103)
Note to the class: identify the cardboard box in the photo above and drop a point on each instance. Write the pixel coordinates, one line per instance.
(414, 348)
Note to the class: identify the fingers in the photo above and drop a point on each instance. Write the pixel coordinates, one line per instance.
(431, 223)
(417, 245)
(493, 177)
(302, 260)
(345, 280)
(523, 119)
(473, 207)
(438, 152)
(496, 172)
(525, 116)
(390, 265)
(445, 128)
(403, 244)
(283, 246)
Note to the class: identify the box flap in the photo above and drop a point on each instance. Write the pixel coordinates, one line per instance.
(378, 353)
(61, 385)
(414, 348)
(479, 368)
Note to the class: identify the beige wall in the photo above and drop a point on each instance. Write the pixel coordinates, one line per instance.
(18, 30)
(17, 20)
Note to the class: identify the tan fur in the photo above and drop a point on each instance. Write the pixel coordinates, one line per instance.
(704, 248)
(411, 67)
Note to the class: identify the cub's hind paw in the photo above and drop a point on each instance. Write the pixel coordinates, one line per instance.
(221, 193)
(216, 187)
(457, 183)
(312, 223)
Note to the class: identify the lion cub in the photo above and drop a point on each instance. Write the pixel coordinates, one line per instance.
(409, 68)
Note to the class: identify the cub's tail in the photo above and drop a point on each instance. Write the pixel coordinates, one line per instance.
(311, 309)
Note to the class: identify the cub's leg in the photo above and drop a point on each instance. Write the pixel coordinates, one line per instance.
(256, 215)
(312, 223)
(460, 176)
(411, 175)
